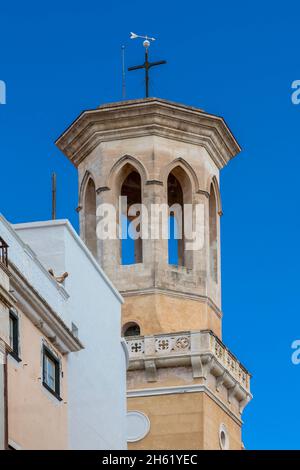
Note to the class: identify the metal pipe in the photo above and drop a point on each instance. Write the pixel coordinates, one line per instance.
(53, 196)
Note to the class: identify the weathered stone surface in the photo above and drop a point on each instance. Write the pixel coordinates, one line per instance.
(195, 389)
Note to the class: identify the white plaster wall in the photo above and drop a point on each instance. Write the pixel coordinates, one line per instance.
(26, 261)
(97, 374)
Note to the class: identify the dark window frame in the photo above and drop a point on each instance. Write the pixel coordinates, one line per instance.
(15, 351)
(47, 353)
(3, 252)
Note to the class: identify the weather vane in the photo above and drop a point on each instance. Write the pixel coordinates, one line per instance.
(146, 65)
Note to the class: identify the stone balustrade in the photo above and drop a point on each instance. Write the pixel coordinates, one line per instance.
(171, 350)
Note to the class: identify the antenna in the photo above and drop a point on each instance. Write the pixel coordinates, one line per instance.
(123, 74)
(53, 196)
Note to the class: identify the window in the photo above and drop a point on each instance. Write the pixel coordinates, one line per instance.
(14, 335)
(3, 252)
(131, 329)
(223, 437)
(131, 248)
(51, 373)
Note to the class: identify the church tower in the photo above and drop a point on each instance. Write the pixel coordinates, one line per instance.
(186, 390)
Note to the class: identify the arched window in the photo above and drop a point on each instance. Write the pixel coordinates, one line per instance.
(179, 193)
(213, 234)
(131, 248)
(90, 216)
(131, 329)
(176, 221)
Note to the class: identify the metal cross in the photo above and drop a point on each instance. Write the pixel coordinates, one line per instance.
(147, 65)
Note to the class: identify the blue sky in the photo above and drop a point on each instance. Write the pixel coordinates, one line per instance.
(234, 59)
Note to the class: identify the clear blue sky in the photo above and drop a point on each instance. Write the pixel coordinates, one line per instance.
(230, 58)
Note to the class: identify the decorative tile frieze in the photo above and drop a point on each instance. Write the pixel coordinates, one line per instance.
(135, 347)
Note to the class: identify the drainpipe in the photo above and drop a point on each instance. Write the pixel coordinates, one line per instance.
(5, 405)
(3, 398)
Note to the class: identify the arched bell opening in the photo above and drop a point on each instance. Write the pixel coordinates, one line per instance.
(213, 234)
(131, 242)
(179, 195)
(90, 216)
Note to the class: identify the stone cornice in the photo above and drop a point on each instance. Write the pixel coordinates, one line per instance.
(205, 193)
(146, 117)
(4, 269)
(42, 315)
(178, 389)
(150, 182)
(173, 293)
(6, 298)
(101, 189)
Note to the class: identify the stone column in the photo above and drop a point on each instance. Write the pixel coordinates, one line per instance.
(155, 250)
(201, 256)
(109, 251)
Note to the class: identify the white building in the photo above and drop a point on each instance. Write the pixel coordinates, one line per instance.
(90, 309)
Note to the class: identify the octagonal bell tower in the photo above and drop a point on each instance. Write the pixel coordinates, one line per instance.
(186, 388)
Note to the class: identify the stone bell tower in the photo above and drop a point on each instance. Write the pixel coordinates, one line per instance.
(186, 390)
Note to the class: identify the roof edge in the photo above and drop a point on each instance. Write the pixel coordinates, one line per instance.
(66, 223)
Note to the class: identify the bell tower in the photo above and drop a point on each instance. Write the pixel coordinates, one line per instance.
(186, 390)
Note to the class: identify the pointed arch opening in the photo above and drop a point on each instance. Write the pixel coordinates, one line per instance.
(179, 194)
(90, 216)
(131, 242)
(213, 234)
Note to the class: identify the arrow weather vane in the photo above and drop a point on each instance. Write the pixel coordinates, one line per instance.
(146, 65)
